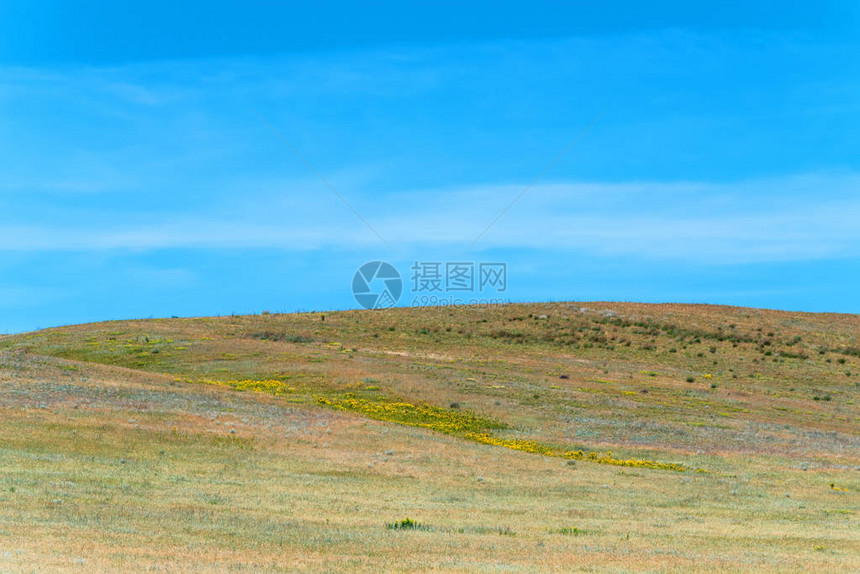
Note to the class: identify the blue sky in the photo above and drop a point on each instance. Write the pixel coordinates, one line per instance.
(137, 179)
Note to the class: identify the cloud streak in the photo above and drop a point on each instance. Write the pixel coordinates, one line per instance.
(779, 219)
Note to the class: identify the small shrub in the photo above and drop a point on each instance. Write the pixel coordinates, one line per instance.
(407, 524)
(691, 379)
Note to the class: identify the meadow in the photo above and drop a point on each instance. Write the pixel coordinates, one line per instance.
(601, 437)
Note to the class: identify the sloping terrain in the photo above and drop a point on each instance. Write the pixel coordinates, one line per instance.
(540, 437)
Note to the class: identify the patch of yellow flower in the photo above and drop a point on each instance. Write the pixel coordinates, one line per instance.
(473, 427)
(270, 386)
(427, 416)
(591, 456)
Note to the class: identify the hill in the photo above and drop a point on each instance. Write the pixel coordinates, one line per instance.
(534, 437)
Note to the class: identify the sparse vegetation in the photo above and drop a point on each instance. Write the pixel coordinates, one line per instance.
(282, 442)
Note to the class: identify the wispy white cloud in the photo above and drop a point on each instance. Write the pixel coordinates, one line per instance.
(781, 219)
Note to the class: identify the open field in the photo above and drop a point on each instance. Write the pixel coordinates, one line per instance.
(602, 437)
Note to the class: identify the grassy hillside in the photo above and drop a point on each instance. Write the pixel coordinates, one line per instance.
(544, 437)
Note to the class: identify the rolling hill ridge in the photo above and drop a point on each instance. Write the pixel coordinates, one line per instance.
(651, 431)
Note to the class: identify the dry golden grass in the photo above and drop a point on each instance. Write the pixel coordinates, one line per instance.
(111, 460)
